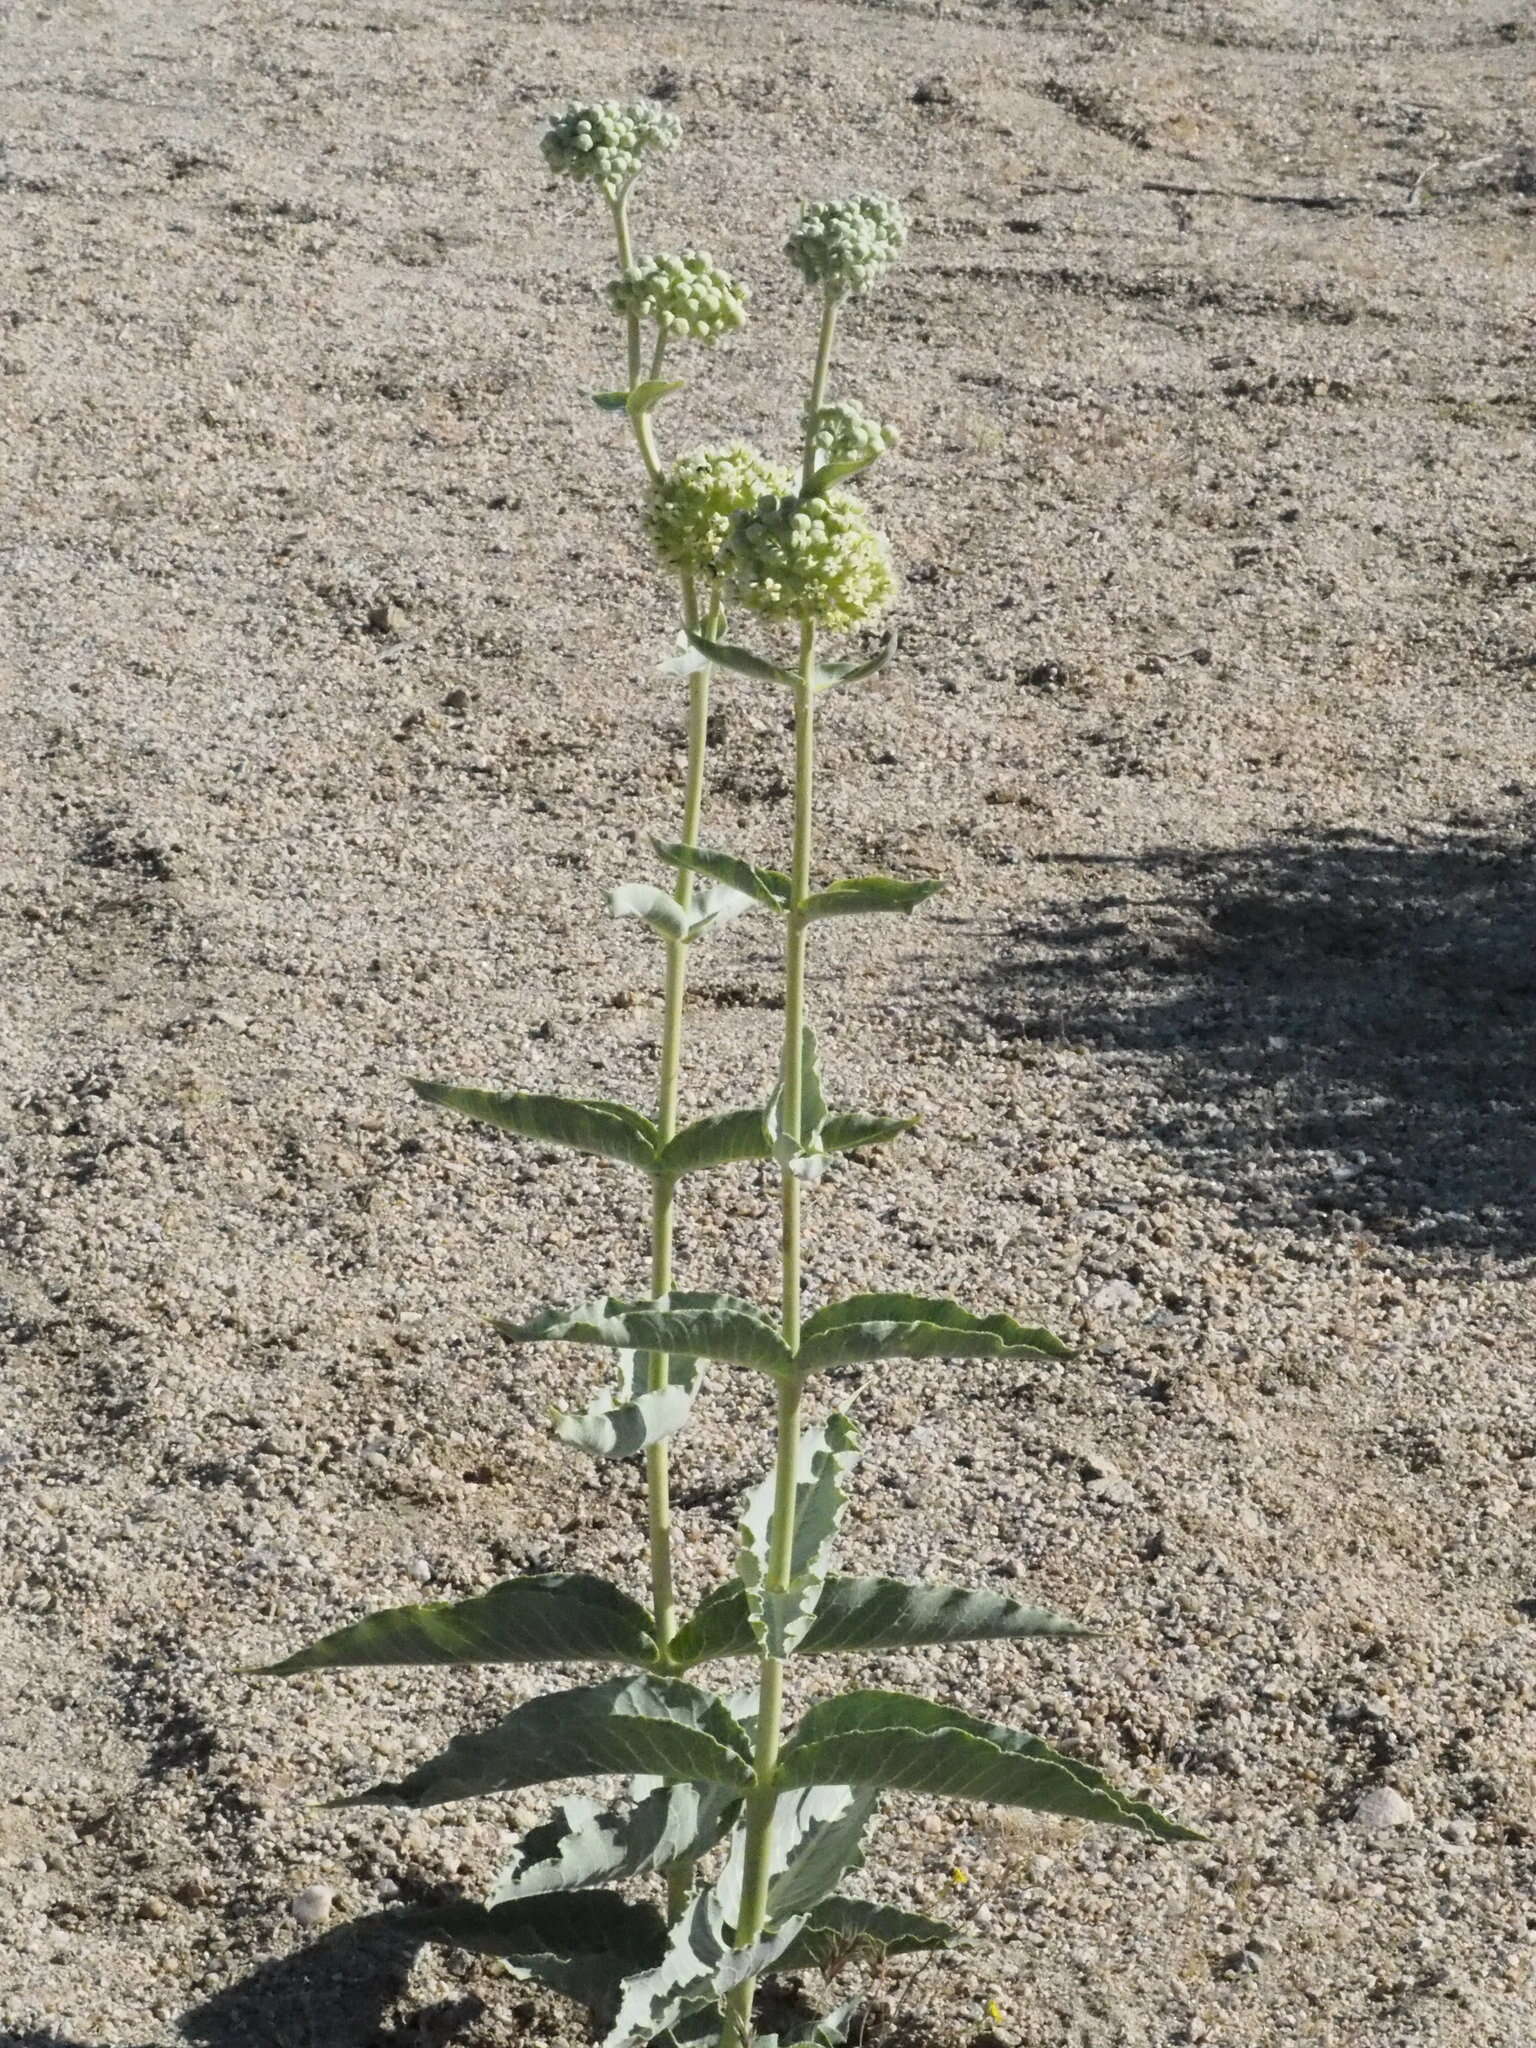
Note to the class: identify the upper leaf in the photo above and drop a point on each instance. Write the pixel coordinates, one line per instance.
(685, 1325)
(866, 1616)
(548, 1617)
(716, 905)
(633, 1416)
(585, 1845)
(766, 886)
(719, 1140)
(830, 673)
(816, 1836)
(609, 1129)
(836, 472)
(699, 1968)
(893, 1739)
(643, 399)
(801, 1150)
(581, 1947)
(742, 661)
(841, 1931)
(849, 1129)
(780, 1615)
(649, 1725)
(860, 895)
(873, 1326)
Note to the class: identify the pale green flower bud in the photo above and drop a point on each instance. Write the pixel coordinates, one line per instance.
(607, 144)
(683, 294)
(845, 246)
(841, 433)
(816, 560)
(692, 507)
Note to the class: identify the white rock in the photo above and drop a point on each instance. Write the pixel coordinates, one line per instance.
(312, 1906)
(1115, 1297)
(1382, 1807)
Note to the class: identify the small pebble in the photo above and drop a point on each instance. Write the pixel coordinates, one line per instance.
(312, 1906)
(1382, 1807)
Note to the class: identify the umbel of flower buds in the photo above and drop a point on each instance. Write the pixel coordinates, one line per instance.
(692, 506)
(841, 433)
(684, 295)
(607, 143)
(844, 246)
(816, 560)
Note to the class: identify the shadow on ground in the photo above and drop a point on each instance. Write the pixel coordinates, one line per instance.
(1334, 1022)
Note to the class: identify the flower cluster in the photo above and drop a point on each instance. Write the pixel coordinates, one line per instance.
(841, 433)
(607, 143)
(845, 246)
(817, 560)
(693, 504)
(684, 295)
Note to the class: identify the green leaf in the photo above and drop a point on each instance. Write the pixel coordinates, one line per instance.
(873, 1326)
(686, 662)
(548, 1617)
(816, 1837)
(850, 1129)
(830, 673)
(897, 1741)
(627, 1421)
(653, 906)
(862, 895)
(780, 1616)
(766, 886)
(837, 472)
(742, 661)
(684, 1325)
(866, 1616)
(720, 1140)
(654, 1725)
(582, 1947)
(586, 1845)
(609, 1129)
(842, 1931)
(801, 1151)
(699, 1968)
(643, 399)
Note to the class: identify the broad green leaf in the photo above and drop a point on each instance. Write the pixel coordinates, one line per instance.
(742, 661)
(816, 1837)
(611, 401)
(801, 1150)
(687, 661)
(830, 673)
(873, 1326)
(643, 399)
(829, 2030)
(842, 1931)
(867, 1616)
(607, 1128)
(586, 1845)
(780, 1615)
(546, 1618)
(837, 472)
(862, 895)
(850, 1129)
(648, 1725)
(627, 1420)
(582, 1946)
(896, 1741)
(766, 886)
(699, 1968)
(653, 906)
(719, 904)
(720, 1140)
(683, 1325)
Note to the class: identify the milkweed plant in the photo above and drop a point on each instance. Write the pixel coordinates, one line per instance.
(747, 1826)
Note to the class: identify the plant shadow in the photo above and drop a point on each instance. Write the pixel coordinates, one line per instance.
(1330, 1023)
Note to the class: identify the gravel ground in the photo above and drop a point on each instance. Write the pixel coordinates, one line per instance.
(331, 641)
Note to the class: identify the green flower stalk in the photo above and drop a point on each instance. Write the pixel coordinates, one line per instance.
(705, 1770)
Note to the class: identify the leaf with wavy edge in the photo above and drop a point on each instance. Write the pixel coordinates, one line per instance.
(899, 1742)
(841, 1931)
(720, 1140)
(719, 1326)
(713, 906)
(547, 1617)
(867, 1327)
(766, 886)
(631, 1417)
(866, 895)
(780, 1616)
(829, 674)
(699, 1968)
(816, 1837)
(582, 1946)
(866, 1616)
(849, 1129)
(655, 1726)
(585, 1844)
(801, 1151)
(608, 1129)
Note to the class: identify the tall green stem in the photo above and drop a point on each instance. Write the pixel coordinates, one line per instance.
(761, 1799)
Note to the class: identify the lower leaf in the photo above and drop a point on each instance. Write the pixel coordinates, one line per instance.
(587, 1845)
(843, 1931)
(697, 1972)
(631, 1418)
(582, 1947)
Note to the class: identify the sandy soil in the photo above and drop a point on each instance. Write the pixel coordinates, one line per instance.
(330, 652)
